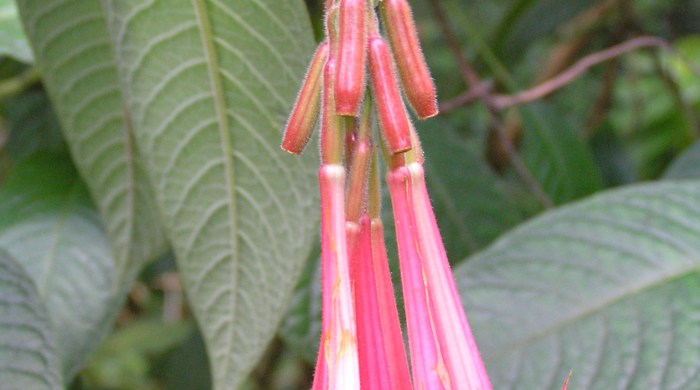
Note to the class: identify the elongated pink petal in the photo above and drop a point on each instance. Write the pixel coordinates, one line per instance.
(352, 43)
(428, 369)
(457, 344)
(338, 309)
(386, 301)
(373, 361)
(566, 382)
(320, 379)
(383, 362)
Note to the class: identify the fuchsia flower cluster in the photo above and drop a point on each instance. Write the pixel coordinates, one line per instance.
(361, 341)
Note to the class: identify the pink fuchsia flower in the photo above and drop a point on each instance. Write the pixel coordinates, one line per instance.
(443, 352)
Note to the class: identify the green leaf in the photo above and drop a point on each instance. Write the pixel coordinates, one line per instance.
(73, 53)
(557, 156)
(685, 166)
(33, 125)
(13, 41)
(48, 224)
(27, 355)
(606, 287)
(209, 85)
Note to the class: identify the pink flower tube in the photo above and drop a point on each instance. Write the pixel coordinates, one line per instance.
(383, 362)
(339, 343)
(443, 352)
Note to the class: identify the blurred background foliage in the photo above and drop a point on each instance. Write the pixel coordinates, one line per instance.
(624, 120)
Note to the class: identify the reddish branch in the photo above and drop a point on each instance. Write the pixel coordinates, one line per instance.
(500, 101)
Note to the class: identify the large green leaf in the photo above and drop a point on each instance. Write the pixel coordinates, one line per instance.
(13, 41)
(607, 287)
(685, 166)
(48, 224)
(557, 156)
(209, 85)
(72, 50)
(27, 355)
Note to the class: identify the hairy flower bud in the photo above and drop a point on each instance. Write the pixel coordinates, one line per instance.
(303, 118)
(352, 39)
(392, 115)
(415, 77)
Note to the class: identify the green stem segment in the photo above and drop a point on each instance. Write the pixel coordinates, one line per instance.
(331, 128)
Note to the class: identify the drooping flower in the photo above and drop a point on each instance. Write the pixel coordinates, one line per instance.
(382, 354)
(361, 342)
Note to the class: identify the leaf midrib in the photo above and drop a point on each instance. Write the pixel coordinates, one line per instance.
(629, 293)
(225, 134)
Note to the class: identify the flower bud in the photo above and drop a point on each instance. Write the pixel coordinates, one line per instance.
(305, 112)
(352, 38)
(392, 115)
(415, 77)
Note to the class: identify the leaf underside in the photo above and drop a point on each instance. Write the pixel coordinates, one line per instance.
(606, 288)
(209, 85)
(48, 224)
(72, 49)
(27, 356)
